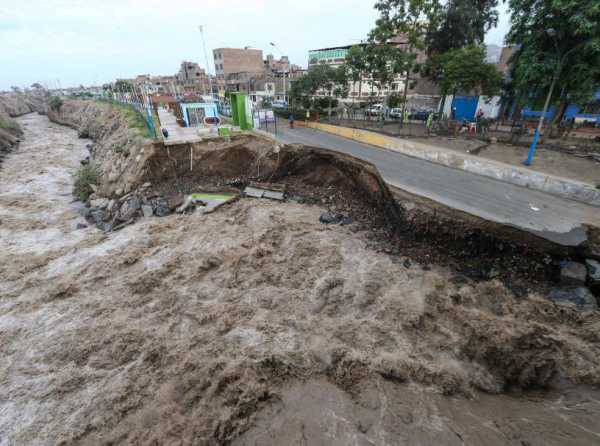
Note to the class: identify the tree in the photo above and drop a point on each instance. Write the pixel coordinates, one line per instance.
(410, 20)
(356, 66)
(37, 86)
(559, 50)
(464, 70)
(56, 103)
(460, 23)
(321, 77)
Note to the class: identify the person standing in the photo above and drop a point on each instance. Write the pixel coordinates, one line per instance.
(291, 121)
(478, 119)
(429, 123)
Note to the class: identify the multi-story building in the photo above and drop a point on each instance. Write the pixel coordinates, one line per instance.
(238, 60)
(362, 90)
(192, 79)
(419, 89)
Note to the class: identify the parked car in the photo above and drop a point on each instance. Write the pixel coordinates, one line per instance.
(419, 115)
(374, 110)
(280, 104)
(396, 113)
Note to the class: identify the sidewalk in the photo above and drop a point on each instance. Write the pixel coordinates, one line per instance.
(520, 176)
(177, 134)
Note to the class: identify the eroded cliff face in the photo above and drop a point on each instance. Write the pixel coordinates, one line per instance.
(118, 149)
(12, 105)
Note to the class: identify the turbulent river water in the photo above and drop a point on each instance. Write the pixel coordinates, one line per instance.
(96, 349)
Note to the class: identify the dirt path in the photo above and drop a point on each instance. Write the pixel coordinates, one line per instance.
(258, 325)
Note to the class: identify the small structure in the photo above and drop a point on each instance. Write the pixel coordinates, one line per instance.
(241, 110)
(199, 114)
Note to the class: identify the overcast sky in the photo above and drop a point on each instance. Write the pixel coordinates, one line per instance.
(92, 42)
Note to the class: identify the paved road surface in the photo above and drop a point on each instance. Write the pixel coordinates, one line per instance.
(553, 218)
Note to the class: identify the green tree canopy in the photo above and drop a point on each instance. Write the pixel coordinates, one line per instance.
(460, 23)
(464, 70)
(558, 47)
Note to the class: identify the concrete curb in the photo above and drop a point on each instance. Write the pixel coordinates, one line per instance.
(521, 176)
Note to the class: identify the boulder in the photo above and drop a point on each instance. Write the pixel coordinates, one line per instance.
(330, 218)
(100, 203)
(580, 296)
(147, 210)
(573, 273)
(129, 208)
(98, 216)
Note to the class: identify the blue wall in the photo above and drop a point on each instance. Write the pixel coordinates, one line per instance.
(571, 112)
(465, 107)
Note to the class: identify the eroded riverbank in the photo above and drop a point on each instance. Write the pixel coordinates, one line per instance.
(259, 325)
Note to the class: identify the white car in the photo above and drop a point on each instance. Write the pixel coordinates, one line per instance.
(396, 113)
(375, 110)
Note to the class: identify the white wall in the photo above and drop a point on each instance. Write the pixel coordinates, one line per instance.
(490, 106)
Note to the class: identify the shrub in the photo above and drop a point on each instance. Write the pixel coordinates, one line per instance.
(85, 176)
(55, 103)
(7, 123)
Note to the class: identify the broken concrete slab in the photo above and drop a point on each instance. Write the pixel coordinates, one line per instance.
(573, 273)
(206, 202)
(254, 192)
(265, 190)
(273, 195)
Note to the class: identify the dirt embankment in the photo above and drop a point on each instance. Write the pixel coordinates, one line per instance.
(12, 105)
(118, 149)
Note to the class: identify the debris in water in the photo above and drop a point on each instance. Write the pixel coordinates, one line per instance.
(207, 202)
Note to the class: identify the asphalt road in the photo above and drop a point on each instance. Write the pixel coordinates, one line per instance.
(556, 219)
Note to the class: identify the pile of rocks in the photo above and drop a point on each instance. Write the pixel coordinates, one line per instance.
(579, 283)
(112, 214)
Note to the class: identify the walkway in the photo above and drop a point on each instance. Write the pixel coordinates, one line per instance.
(177, 134)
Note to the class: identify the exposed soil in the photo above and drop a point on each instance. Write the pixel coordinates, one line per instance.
(257, 324)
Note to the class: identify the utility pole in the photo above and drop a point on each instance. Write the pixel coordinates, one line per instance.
(284, 72)
(201, 28)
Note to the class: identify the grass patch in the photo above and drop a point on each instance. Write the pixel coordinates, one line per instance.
(85, 176)
(7, 123)
(135, 119)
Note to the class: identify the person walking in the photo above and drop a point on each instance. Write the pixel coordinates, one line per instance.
(291, 121)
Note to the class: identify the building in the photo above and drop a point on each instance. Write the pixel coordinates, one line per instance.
(363, 90)
(192, 79)
(277, 66)
(238, 60)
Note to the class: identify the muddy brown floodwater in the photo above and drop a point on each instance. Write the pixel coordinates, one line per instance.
(257, 325)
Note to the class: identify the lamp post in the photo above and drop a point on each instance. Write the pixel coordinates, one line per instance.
(201, 28)
(284, 72)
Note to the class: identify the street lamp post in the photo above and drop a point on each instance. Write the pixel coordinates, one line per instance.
(284, 72)
(201, 28)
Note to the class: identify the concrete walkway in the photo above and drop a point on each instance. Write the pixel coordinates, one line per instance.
(177, 134)
(553, 218)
